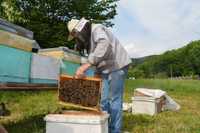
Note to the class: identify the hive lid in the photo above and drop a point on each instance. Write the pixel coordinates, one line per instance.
(155, 93)
(16, 29)
(80, 118)
(64, 49)
(145, 98)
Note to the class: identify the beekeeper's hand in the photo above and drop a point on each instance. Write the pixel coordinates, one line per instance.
(80, 73)
(2, 129)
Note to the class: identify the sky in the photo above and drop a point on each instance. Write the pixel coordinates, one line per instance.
(149, 27)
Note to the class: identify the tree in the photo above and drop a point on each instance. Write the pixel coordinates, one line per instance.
(184, 61)
(194, 56)
(10, 11)
(48, 18)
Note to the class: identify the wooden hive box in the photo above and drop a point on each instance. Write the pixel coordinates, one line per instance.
(84, 93)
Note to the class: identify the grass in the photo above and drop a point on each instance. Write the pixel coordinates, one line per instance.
(187, 120)
(29, 108)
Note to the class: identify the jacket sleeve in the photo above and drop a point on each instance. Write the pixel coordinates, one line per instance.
(101, 39)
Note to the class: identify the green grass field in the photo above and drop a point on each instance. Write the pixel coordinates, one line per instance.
(28, 109)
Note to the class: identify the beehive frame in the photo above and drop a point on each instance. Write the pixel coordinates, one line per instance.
(84, 93)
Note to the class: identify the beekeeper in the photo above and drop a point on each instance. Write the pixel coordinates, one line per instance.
(111, 61)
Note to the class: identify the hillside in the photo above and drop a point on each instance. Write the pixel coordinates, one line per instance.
(140, 60)
(184, 61)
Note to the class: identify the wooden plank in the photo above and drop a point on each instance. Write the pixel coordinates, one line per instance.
(20, 86)
(16, 41)
(54, 54)
(85, 113)
(79, 106)
(66, 77)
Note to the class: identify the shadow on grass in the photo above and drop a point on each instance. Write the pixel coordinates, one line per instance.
(34, 124)
(130, 121)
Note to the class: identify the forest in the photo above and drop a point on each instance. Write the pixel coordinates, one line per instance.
(48, 18)
(180, 62)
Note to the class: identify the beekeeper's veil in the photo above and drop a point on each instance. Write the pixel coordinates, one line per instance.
(81, 31)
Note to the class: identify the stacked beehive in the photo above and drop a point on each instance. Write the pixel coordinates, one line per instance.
(70, 60)
(83, 93)
(19, 65)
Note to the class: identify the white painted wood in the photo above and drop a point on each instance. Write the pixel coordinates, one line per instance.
(63, 123)
(145, 105)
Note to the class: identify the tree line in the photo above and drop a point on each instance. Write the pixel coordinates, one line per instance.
(184, 61)
(48, 18)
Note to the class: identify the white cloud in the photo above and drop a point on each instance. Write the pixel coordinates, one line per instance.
(157, 25)
(133, 50)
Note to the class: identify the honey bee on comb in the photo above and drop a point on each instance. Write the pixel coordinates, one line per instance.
(84, 92)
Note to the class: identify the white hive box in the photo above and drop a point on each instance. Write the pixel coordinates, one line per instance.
(148, 101)
(146, 105)
(152, 101)
(81, 123)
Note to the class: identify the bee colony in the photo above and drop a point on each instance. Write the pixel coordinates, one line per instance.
(82, 92)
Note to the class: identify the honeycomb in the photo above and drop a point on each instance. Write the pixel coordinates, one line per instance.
(84, 92)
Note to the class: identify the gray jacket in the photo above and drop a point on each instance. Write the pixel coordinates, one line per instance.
(106, 52)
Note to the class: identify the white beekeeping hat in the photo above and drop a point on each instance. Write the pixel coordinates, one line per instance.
(71, 25)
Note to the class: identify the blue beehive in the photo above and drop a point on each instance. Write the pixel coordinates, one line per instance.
(15, 65)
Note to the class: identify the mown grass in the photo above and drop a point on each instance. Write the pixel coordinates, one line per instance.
(28, 108)
(186, 120)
